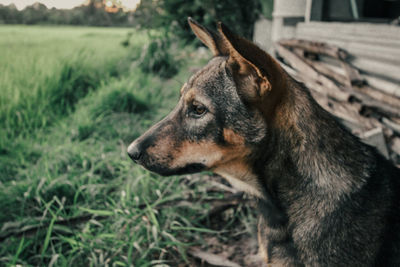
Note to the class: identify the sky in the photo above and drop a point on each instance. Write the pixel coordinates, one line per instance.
(62, 4)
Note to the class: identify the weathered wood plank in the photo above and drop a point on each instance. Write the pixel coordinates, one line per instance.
(316, 47)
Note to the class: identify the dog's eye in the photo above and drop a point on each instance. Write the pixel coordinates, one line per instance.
(198, 109)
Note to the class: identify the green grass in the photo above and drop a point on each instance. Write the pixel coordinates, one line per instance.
(46, 70)
(71, 101)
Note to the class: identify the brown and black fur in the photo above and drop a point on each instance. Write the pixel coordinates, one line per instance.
(325, 198)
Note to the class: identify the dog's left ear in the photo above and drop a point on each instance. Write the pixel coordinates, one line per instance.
(244, 62)
(209, 38)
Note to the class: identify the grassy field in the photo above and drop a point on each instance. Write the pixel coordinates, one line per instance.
(71, 100)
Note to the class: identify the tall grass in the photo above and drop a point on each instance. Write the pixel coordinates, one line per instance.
(45, 72)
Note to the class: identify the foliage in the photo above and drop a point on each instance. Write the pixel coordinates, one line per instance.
(267, 7)
(120, 101)
(238, 15)
(158, 56)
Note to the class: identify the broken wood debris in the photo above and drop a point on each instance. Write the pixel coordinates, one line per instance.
(212, 259)
(368, 106)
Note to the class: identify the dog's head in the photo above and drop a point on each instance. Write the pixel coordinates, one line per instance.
(220, 119)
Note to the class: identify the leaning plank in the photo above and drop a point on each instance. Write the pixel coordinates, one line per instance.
(358, 49)
(391, 125)
(297, 63)
(395, 146)
(353, 78)
(379, 96)
(327, 71)
(385, 70)
(323, 85)
(316, 47)
(347, 75)
(347, 113)
(385, 86)
(377, 106)
(375, 137)
(352, 74)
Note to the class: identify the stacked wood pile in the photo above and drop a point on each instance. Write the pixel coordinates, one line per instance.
(370, 110)
(375, 46)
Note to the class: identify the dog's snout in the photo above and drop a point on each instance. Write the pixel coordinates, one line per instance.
(134, 152)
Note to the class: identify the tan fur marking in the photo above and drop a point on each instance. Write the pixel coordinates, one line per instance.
(183, 88)
(232, 138)
(283, 116)
(189, 96)
(203, 152)
(209, 153)
(262, 246)
(238, 173)
(236, 170)
(227, 161)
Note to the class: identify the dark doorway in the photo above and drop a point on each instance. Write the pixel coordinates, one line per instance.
(357, 10)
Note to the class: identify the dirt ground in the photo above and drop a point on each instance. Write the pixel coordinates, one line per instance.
(240, 252)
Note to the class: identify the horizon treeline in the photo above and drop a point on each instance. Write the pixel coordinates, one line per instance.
(95, 13)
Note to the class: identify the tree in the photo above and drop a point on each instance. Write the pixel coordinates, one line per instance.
(238, 14)
(9, 14)
(34, 14)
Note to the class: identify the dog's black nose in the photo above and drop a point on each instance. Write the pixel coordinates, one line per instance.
(134, 153)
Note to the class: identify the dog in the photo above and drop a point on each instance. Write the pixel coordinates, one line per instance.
(324, 198)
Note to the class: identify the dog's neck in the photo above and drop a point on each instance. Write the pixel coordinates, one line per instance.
(307, 152)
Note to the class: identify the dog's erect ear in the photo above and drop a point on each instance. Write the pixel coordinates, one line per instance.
(211, 39)
(245, 61)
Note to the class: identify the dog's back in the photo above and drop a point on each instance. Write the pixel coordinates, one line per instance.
(339, 199)
(361, 226)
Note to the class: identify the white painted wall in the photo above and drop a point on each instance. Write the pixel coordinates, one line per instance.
(262, 33)
(286, 9)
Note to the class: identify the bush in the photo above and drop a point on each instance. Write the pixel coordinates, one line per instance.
(119, 101)
(74, 82)
(157, 58)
